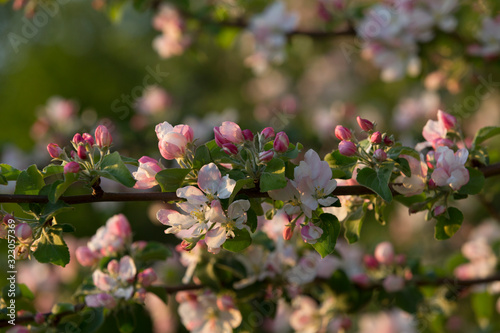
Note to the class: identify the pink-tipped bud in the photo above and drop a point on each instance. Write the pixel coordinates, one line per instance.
(380, 155)
(370, 262)
(220, 140)
(430, 159)
(77, 138)
(230, 149)
(39, 318)
(54, 150)
(439, 210)
(342, 133)
(281, 142)
(187, 246)
(393, 283)
(388, 141)
(432, 184)
(347, 148)
(118, 225)
(7, 219)
(146, 277)
(376, 137)
(72, 167)
(365, 124)
(266, 156)
(248, 135)
(447, 119)
(384, 253)
(88, 138)
(102, 136)
(85, 256)
(81, 152)
(225, 303)
(267, 133)
(113, 267)
(287, 233)
(23, 232)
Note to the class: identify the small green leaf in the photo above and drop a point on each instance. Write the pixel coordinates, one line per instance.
(475, 184)
(353, 223)
(293, 151)
(240, 184)
(485, 133)
(395, 151)
(331, 230)
(241, 241)
(9, 172)
(59, 190)
(51, 248)
(273, 177)
(201, 157)
(377, 180)
(30, 181)
(483, 306)
(252, 221)
(171, 179)
(404, 166)
(448, 226)
(59, 308)
(52, 170)
(342, 166)
(112, 167)
(130, 160)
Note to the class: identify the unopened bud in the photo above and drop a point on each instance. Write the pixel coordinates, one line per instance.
(82, 152)
(388, 141)
(77, 138)
(72, 167)
(281, 142)
(347, 148)
(230, 149)
(23, 232)
(376, 137)
(54, 150)
(287, 233)
(380, 155)
(248, 135)
(266, 156)
(88, 138)
(365, 124)
(102, 136)
(342, 133)
(146, 277)
(267, 133)
(370, 262)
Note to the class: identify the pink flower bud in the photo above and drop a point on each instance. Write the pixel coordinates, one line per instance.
(220, 140)
(23, 232)
(230, 149)
(231, 132)
(102, 136)
(342, 133)
(432, 184)
(266, 156)
(7, 218)
(54, 150)
(77, 138)
(100, 300)
(384, 253)
(431, 159)
(361, 280)
(85, 256)
(380, 155)
(88, 138)
(186, 131)
(248, 135)
(370, 262)
(82, 152)
(376, 137)
(393, 283)
(438, 210)
(388, 141)
(118, 225)
(185, 296)
(267, 133)
(287, 233)
(146, 277)
(365, 124)
(347, 148)
(186, 245)
(281, 142)
(39, 318)
(310, 233)
(225, 303)
(72, 167)
(113, 267)
(447, 119)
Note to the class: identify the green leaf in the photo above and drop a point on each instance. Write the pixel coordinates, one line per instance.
(293, 151)
(52, 170)
(353, 223)
(125, 319)
(241, 241)
(342, 166)
(171, 179)
(216, 153)
(483, 306)
(240, 184)
(377, 180)
(112, 167)
(273, 177)
(201, 157)
(153, 251)
(252, 221)
(59, 190)
(130, 160)
(9, 172)
(485, 133)
(448, 226)
(404, 166)
(25, 291)
(408, 299)
(395, 151)
(51, 248)
(331, 230)
(59, 308)
(475, 184)
(92, 319)
(30, 181)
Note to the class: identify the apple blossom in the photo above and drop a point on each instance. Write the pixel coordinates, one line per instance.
(447, 120)
(416, 183)
(172, 41)
(365, 124)
(438, 210)
(71, 167)
(388, 141)
(82, 152)
(77, 138)
(376, 137)
(281, 142)
(230, 149)
(100, 300)
(54, 150)
(384, 253)
(450, 169)
(380, 155)
(88, 139)
(342, 133)
(23, 232)
(146, 173)
(288, 233)
(147, 277)
(229, 132)
(310, 233)
(247, 134)
(102, 136)
(370, 262)
(348, 148)
(172, 141)
(267, 133)
(85, 256)
(266, 156)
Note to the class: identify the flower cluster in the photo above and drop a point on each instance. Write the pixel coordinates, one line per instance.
(204, 216)
(269, 30)
(391, 33)
(172, 41)
(11, 226)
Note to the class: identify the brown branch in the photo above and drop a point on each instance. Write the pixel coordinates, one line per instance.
(489, 171)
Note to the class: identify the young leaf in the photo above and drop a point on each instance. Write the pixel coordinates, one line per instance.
(171, 179)
(201, 157)
(342, 166)
(51, 248)
(273, 177)
(377, 180)
(395, 151)
(241, 183)
(112, 167)
(241, 241)
(30, 181)
(447, 227)
(331, 230)
(484, 134)
(475, 184)
(8, 172)
(69, 179)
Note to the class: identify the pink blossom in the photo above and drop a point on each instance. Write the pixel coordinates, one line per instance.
(393, 283)
(102, 136)
(230, 149)
(310, 233)
(438, 210)
(435, 131)
(146, 277)
(211, 182)
(231, 132)
(447, 120)
(172, 42)
(288, 233)
(77, 138)
(119, 226)
(348, 148)
(145, 175)
(370, 262)
(450, 169)
(248, 135)
(71, 167)
(384, 253)
(172, 141)
(154, 100)
(54, 150)
(313, 181)
(85, 256)
(88, 139)
(281, 142)
(117, 281)
(415, 184)
(23, 232)
(100, 300)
